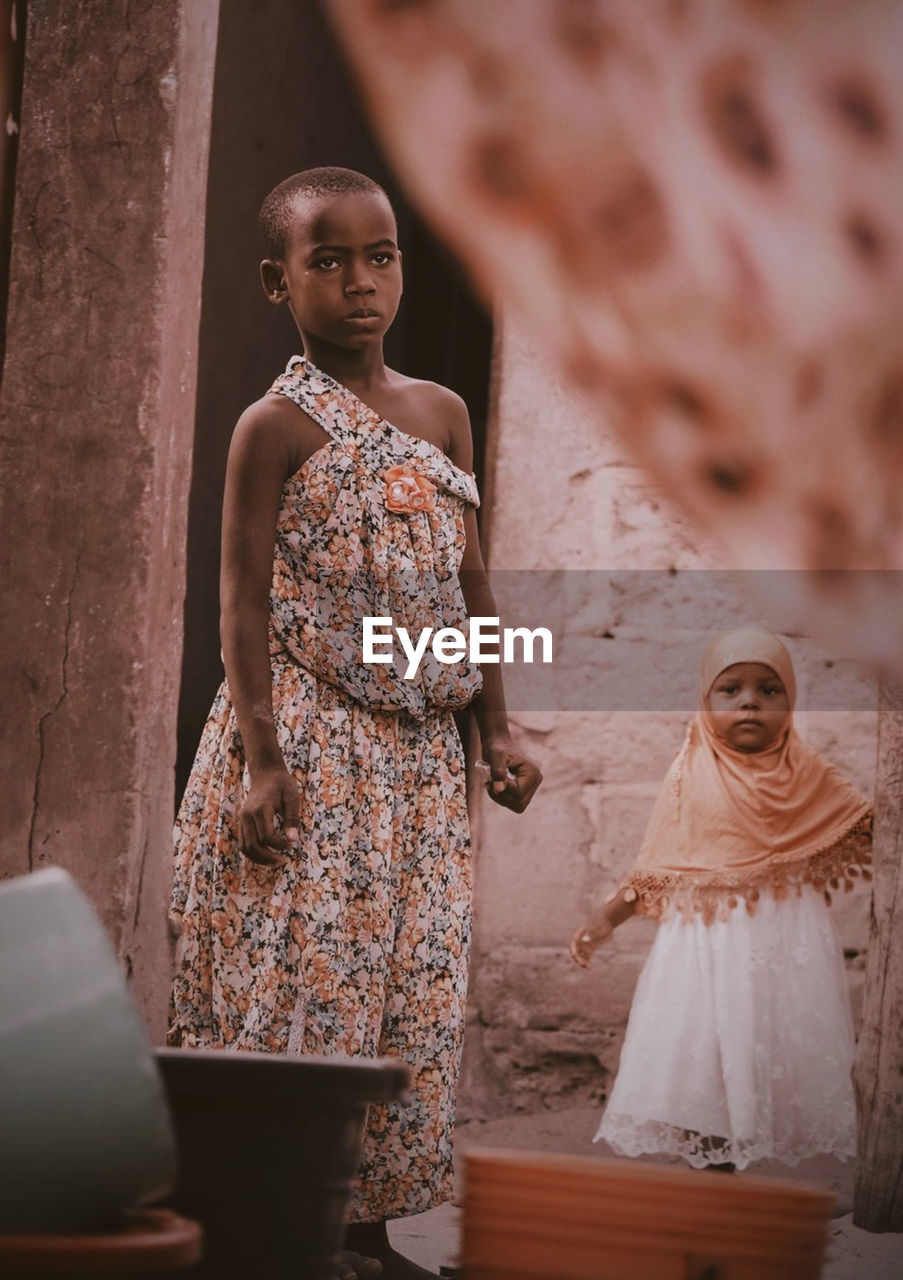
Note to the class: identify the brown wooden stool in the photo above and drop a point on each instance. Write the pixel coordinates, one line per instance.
(151, 1242)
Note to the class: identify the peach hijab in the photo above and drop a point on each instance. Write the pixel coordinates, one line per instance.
(728, 824)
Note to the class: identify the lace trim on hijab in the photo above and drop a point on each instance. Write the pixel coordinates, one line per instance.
(714, 894)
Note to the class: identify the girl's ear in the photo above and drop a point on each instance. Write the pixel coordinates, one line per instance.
(272, 277)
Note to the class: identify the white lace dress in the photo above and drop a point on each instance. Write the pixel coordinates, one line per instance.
(739, 1045)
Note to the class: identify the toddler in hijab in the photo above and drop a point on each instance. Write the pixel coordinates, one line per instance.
(739, 1044)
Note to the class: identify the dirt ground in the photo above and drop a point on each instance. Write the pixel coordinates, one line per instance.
(431, 1239)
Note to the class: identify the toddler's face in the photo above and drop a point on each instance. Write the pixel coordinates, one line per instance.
(748, 706)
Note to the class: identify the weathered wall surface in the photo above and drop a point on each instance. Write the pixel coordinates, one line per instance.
(542, 1032)
(95, 450)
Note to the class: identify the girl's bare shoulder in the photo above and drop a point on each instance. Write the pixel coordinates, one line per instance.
(431, 395)
(275, 432)
(440, 407)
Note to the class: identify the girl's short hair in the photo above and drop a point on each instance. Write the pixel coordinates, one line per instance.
(277, 210)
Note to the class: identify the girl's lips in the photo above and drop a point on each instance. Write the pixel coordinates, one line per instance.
(367, 322)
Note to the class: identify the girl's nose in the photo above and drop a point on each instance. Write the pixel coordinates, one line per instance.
(750, 699)
(359, 283)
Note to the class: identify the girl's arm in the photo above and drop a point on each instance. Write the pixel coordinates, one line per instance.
(262, 454)
(601, 925)
(513, 776)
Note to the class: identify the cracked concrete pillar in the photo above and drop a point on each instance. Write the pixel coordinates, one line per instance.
(96, 427)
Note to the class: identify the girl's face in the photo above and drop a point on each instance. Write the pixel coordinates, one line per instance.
(341, 274)
(748, 706)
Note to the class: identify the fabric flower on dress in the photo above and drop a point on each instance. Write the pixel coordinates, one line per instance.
(406, 491)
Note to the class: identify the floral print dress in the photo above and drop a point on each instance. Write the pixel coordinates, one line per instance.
(357, 943)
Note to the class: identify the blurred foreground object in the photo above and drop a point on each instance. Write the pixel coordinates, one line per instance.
(149, 1242)
(83, 1118)
(697, 208)
(268, 1148)
(550, 1217)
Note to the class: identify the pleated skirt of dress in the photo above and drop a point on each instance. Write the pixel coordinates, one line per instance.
(739, 1044)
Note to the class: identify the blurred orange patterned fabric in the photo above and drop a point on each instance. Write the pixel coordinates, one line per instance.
(696, 210)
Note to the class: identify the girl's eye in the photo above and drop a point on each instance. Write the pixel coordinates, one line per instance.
(728, 689)
(771, 690)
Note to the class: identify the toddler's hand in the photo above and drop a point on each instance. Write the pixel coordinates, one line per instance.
(588, 938)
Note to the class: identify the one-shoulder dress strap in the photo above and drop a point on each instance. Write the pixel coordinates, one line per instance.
(321, 398)
(348, 420)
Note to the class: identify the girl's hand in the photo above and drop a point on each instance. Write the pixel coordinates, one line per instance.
(273, 793)
(513, 778)
(586, 940)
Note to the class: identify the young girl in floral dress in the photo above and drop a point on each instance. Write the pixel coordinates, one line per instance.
(323, 877)
(739, 1044)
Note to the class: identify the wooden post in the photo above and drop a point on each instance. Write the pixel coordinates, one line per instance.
(878, 1202)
